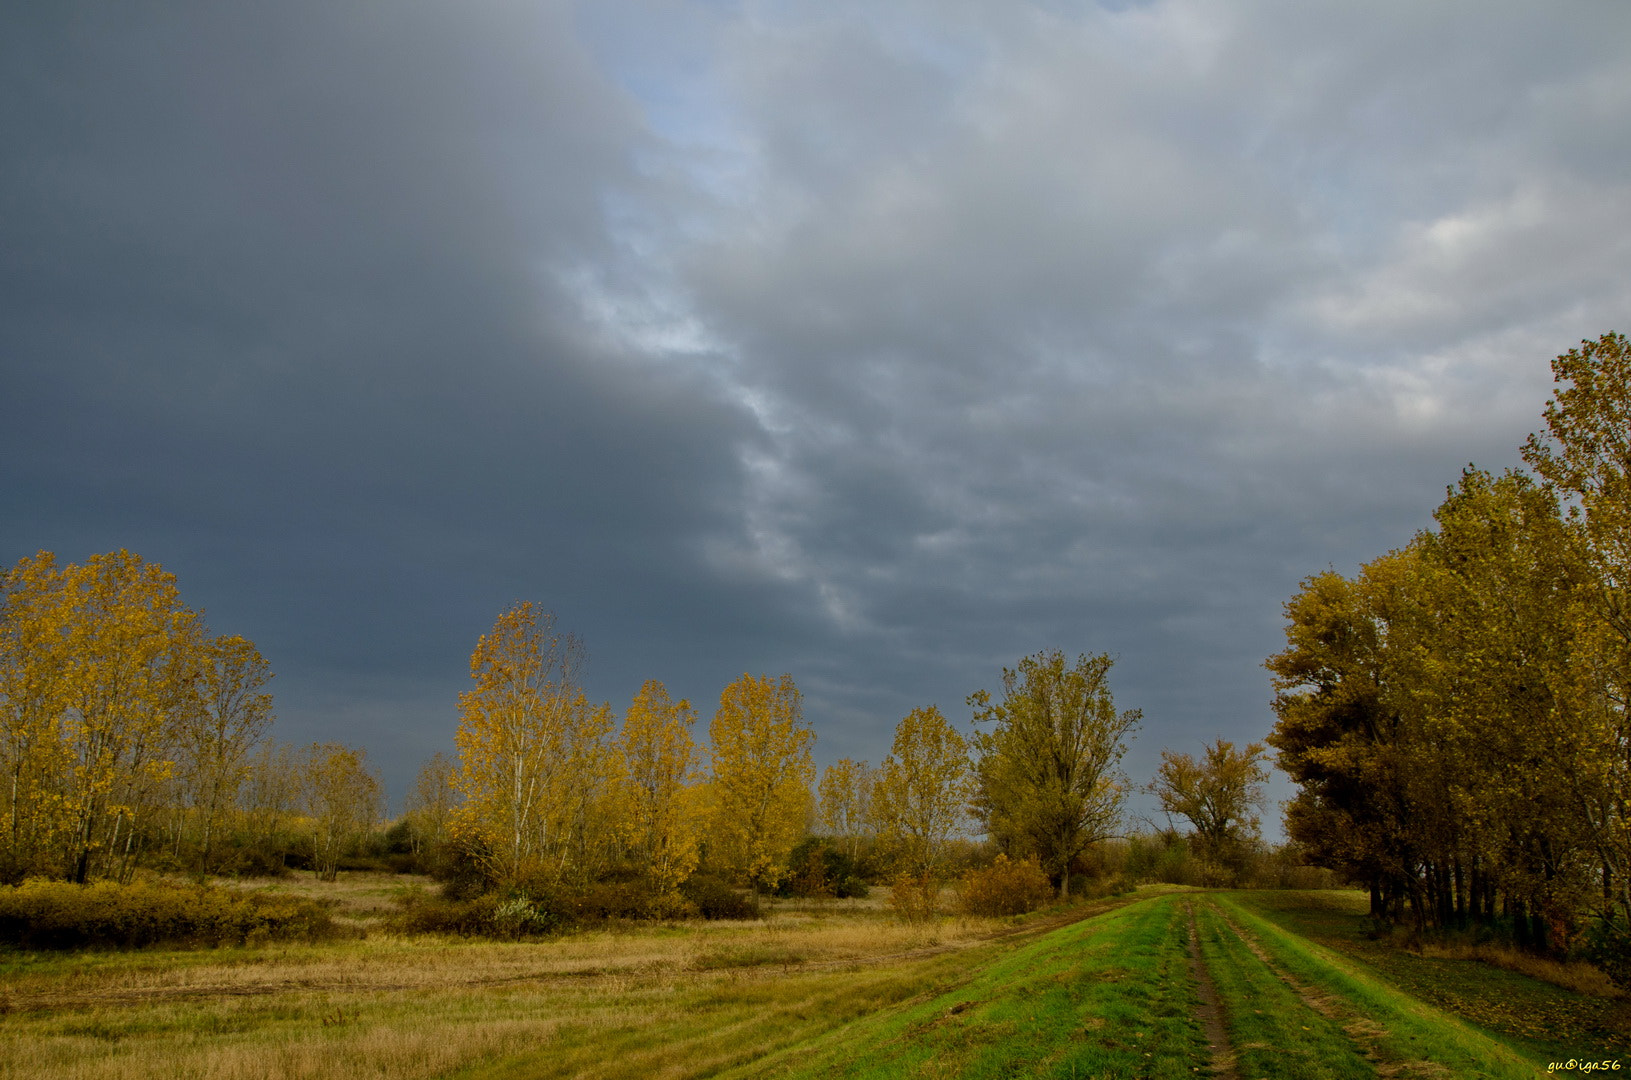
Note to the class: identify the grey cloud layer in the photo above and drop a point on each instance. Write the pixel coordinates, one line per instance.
(877, 347)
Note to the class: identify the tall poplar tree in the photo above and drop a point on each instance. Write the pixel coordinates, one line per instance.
(922, 793)
(761, 777)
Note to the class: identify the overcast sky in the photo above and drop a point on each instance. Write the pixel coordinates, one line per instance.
(881, 344)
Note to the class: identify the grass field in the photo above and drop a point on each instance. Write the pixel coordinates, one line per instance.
(1290, 987)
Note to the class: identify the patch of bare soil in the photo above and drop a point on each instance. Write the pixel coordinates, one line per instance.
(1210, 1010)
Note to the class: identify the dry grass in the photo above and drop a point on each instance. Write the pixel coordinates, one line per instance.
(1581, 977)
(618, 1001)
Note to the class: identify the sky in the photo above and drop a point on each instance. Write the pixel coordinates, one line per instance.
(881, 344)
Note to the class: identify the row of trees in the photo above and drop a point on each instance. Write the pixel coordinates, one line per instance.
(555, 791)
(128, 732)
(1455, 714)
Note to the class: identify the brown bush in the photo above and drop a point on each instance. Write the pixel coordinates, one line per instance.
(62, 915)
(1005, 888)
(915, 898)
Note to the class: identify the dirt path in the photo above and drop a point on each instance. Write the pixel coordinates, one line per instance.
(1210, 1010)
(1365, 1033)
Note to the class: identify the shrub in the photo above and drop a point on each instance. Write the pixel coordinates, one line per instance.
(467, 917)
(915, 897)
(820, 869)
(1005, 888)
(1608, 946)
(62, 915)
(716, 899)
(616, 900)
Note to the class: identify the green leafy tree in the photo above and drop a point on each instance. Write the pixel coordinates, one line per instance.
(1218, 795)
(1047, 770)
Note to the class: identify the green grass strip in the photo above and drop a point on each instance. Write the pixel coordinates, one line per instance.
(1110, 997)
(1276, 1036)
(1412, 1030)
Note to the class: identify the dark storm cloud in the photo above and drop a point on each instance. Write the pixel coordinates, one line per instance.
(881, 346)
(278, 315)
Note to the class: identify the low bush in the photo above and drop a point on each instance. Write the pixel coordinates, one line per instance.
(1004, 888)
(62, 915)
(915, 898)
(820, 869)
(715, 898)
(466, 917)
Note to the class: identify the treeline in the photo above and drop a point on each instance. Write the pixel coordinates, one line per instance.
(1455, 714)
(131, 736)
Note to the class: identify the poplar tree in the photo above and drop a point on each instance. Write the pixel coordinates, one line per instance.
(844, 803)
(656, 756)
(760, 778)
(922, 793)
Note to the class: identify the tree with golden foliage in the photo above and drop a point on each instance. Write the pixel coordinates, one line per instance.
(341, 798)
(533, 756)
(844, 803)
(922, 793)
(33, 702)
(656, 756)
(231, 713)
(761, 777)
(431, 802)
(98, 666)
(1216, 795)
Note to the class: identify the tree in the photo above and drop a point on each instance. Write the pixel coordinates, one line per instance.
(656, 756)
(1047, 774)
(922, 793)
(1216, 794)
(33, 703)
(1586, 458)
(123, 647)
(341, 799)
(844, 803)
(533, 759)
(431, 802)
(761, 776)
(231, 713)
(1337, 735)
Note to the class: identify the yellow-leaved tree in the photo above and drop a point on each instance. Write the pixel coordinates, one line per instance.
(431, 803)
(534, 759)
(922, 793)
(341, 798)
(844, 801)
(34, 752)
(122, 650)
(656, 756)
(231, 713)
(761, 777)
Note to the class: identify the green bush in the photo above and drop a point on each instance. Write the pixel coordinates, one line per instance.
(466, 917)
(62, 915)
(1608, 946)
(715, 898)
(1005, 888)
(819, 869)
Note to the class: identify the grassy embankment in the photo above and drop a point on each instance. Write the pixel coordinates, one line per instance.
(834, 990)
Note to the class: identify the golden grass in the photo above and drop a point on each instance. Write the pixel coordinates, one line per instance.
(645, 1000)
(1581, 977)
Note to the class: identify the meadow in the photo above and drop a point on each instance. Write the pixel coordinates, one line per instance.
(1160, 982)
